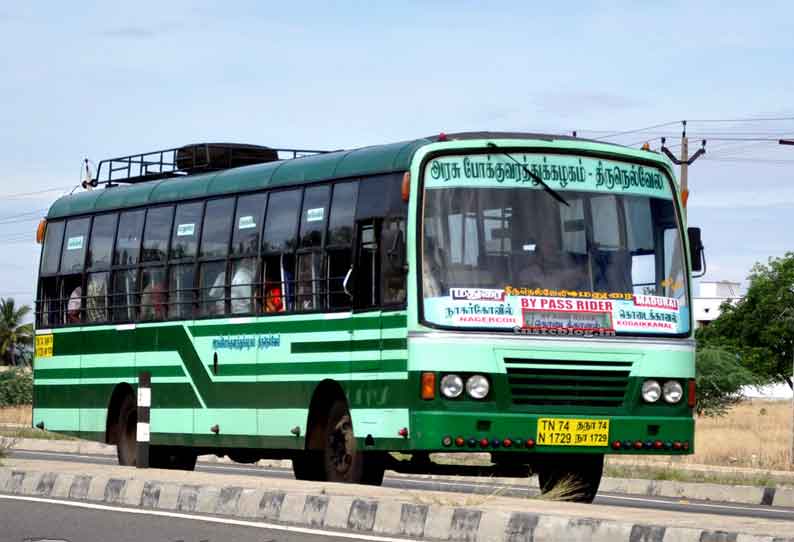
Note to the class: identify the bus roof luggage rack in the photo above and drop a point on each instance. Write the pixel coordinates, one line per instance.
(188, 160)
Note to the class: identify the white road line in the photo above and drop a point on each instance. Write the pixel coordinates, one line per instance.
(210, 519)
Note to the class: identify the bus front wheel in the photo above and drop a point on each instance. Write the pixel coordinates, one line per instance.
(342, 461)
(570, 477)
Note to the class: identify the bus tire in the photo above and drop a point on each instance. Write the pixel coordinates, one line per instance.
(341, 460)
(570, 477)
(127, 444)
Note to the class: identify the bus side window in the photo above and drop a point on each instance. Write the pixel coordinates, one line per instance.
(49, 303)
(154, 254)
(279, 241)
(247, 231)
(72, 265)
(124, 283)
(311, 287)
(393, 255)
(367, 284)
(100, 257)
(339, 243)
(181, 257)
(379, 207)
(215, 237)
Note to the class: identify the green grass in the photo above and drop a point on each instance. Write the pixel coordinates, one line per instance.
(680, 475)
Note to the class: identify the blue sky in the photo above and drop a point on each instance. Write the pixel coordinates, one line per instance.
(94, 79)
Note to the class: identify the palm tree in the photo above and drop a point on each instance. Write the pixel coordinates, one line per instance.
(13, 333)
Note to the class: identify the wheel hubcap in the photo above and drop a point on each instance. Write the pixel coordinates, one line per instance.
(341, 445)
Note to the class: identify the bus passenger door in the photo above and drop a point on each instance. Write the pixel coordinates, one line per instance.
(365, 346)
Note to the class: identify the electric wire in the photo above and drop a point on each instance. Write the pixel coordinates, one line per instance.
(34, 193)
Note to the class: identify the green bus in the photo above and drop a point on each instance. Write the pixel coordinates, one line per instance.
(523, 295)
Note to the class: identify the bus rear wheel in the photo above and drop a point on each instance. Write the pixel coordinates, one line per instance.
(341, 460)
(126, 446)
(160, 457)
(570, 477)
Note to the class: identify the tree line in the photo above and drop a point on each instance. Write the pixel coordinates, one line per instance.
(16, 336)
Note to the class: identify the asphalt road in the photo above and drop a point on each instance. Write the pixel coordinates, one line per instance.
(32, 521)
(472, 485)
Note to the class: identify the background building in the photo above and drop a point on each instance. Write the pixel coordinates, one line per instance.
(706, 306)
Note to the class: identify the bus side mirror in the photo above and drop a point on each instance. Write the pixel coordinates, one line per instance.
(394, 243)
(695, 249)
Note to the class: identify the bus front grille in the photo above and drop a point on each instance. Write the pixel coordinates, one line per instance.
(567, 382)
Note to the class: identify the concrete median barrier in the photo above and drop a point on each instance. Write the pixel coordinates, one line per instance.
(375, 511)
(739, 494)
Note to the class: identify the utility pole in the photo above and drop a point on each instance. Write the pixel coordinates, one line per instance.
(685, 161)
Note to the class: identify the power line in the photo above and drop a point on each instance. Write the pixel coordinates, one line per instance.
(626, 132)
(771, 161)
(749, 119)
(24, 194)
(27, 215)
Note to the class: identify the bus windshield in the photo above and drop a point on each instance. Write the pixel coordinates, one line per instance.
(499, 252)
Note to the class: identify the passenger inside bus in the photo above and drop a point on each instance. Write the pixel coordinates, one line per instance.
(273, 300)
(153, 301)
(73, 306)
(242, 290)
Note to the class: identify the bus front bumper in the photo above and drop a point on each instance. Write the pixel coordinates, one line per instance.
(513, 432)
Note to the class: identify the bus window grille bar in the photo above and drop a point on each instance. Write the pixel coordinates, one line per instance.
(159, 303)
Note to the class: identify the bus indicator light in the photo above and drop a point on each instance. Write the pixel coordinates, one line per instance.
(403, 432)
(685, 446)
(459, 442)
(472, 442)
(530, 443)
(40, 230)
(658, 444)
(691, 395)
(676, 445)
(484, 443)
(428, 386)
(507, 443)
(617, 445)
(447, 441)
(638, 445)
(406, 186)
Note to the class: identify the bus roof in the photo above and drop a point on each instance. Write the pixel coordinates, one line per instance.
(388, 158)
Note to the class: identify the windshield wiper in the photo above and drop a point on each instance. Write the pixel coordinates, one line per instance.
(553, 193)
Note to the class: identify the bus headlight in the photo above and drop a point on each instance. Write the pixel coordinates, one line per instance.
(672, 391)
(451, 386)
(651, 391)
(477, 387)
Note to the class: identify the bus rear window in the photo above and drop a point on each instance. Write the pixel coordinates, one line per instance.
(52, 248)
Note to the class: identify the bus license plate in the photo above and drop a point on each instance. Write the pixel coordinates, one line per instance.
(572, 432)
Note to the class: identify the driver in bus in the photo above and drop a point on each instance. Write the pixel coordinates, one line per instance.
(552, 267)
